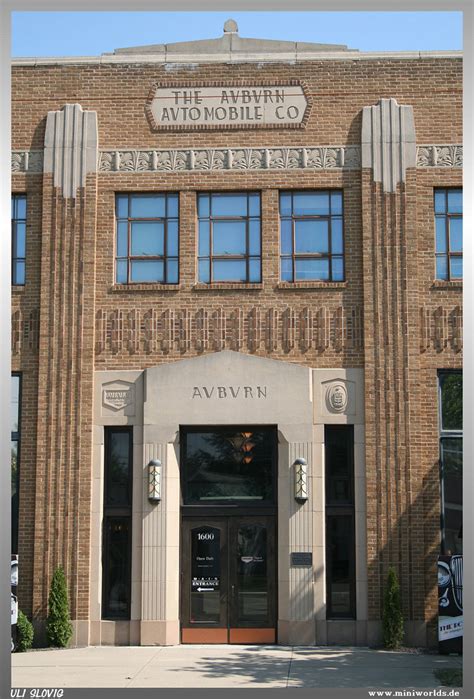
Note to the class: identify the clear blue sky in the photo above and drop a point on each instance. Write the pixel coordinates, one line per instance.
(93, 33)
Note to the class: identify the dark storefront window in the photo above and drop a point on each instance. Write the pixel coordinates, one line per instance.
(451, 443)
(117, 524)
(448, 223)
(340, 541)
(18, 238)
(15, 452)
(311, 236)
(147, 238)
(229, 465)
(229, 237)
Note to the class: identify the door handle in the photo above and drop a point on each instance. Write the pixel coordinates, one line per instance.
(232, 590)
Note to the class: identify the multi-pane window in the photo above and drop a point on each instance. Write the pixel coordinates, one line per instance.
(311, 236)
(15, 452)
(117, 525)
(18, 238)
(229, 237)
(340, 542)
(451, 438)
(448, 221)
(147, 238)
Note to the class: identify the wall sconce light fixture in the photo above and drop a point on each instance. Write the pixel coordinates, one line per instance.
(154, 480)
(301, 479)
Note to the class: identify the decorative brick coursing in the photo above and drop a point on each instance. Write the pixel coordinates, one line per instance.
(64, 404)
(390, 372)
(255, 329)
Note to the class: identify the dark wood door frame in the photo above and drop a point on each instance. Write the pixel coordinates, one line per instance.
(229, 630)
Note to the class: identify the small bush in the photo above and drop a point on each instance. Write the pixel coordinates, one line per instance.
(24, 633)
(449, 677)
(58, 623)
(392, 620)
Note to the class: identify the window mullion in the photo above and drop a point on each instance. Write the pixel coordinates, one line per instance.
(247, 244)
(211, 244)
(293, 267)
(129, 250)
(448, 241)
(330, 242)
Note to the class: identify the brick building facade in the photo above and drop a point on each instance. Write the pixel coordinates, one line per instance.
(334, 347)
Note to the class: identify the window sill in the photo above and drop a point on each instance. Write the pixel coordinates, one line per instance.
(228, 286)
(152, 286)
(18, 288)
(116, 618)
(315, 285)
(445, 284)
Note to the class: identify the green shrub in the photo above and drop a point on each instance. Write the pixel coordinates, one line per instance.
(392, 620)
(24, 632)
(58, 623)
(449, 677)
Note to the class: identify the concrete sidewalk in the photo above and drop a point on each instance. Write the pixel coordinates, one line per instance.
(228, 666)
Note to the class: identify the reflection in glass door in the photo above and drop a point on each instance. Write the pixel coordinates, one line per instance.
(205, 575)
(228, 580)
(204, 589)
(252, 577)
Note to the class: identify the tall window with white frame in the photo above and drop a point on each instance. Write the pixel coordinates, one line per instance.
(229, 237)
(448, 222)
(450, 449)
(15, 457)
(147, 245)
(311, 236)
(18, 239)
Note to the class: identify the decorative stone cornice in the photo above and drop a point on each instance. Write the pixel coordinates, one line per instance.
(311, 158)
(295, 55)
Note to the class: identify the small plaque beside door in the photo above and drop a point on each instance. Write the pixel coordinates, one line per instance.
(301, 558)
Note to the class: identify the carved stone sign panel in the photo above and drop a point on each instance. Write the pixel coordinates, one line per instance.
(118, 395)
(232, 392)
(338, 395)
(233, 105)
(228, 388)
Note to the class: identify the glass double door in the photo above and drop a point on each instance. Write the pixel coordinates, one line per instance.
(228, 579)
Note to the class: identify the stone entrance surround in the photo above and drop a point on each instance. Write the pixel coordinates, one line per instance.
(217, 389)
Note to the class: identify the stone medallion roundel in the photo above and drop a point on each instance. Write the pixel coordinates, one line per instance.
(337, 398)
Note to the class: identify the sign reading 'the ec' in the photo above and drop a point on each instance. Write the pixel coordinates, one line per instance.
(209, 106)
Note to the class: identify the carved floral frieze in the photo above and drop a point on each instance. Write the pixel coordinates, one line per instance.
(439, 156)
(234, 159)
(317, 158)
(27, 161)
